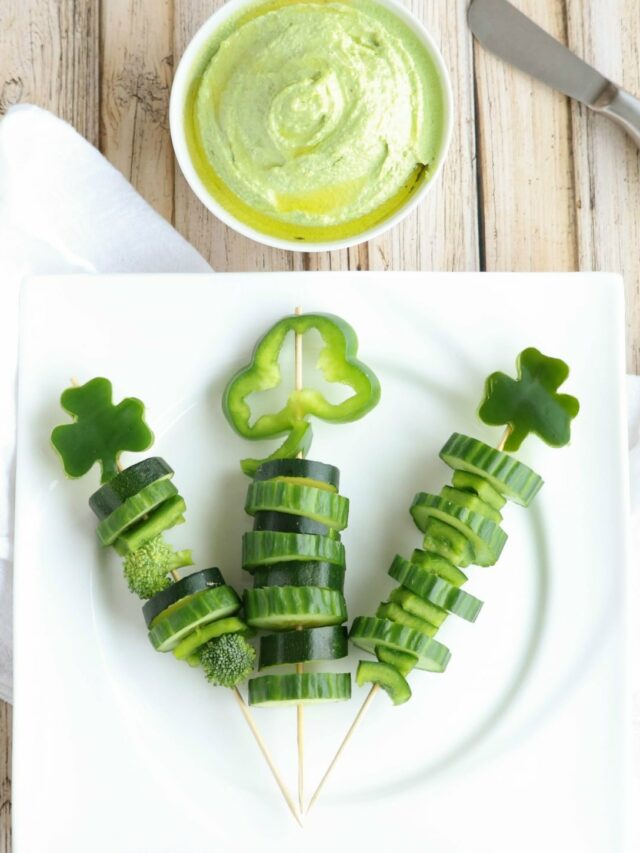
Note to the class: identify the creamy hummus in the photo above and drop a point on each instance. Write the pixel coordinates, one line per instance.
(315, 120)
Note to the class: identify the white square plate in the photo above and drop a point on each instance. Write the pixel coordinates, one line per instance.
(523, 745)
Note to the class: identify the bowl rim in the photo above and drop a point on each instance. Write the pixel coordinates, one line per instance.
(179, 90)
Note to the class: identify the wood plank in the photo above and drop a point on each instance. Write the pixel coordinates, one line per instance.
(49, 57)
(442, 234)
(225, 249)
(5, 777)
(135, 77)
(607, 166)
(525, 162)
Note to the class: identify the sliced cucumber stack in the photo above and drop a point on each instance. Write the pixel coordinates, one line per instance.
(447, 542)
(435, 590)
(305, 689)
(328, 508)
(281, 608)
(167, 515)
(199, 636)
(300, 573)
(178, 620)
(196, 582)
(367, 633)
(311, 644)
(133, 509)
(317, 473)
(395, 613)
(439, 566)
(264, 547)
(508, 476)
(486, 538)
(477, 485)
(128, 483)
(268, 520)
(404, 662)
(472, 502)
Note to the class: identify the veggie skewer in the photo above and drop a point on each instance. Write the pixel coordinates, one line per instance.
(294, 551)
(194, 616)
(460, 527)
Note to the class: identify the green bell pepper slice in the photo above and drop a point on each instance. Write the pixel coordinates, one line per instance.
(337, 362)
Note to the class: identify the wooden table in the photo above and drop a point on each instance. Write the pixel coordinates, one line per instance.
(533, 181)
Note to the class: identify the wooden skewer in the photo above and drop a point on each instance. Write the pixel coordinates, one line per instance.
(374, 690)
(299, 666)
(248, 716)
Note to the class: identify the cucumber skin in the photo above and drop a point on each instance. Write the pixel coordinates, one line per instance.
(294, 689)
(513, 479)
(471, 502)
(310, 644)
(128, 483)
(487, 539)
(206, 606)
(447, 542)
(188, 585)
(316, 504)
(417, 606)
(300, 573)
(404, 662)
(282, 607)
(435, 590)
(303, 468)
(387, 677)
(439, 566)
(189, 645)
(266, 519)
(265, 547)
(477, 485)
(163, 517)
(133, 509)
(395, 613)
(367, 632)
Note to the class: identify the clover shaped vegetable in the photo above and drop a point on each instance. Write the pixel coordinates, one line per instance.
(101, 431)
(530, 403)
(337, 362)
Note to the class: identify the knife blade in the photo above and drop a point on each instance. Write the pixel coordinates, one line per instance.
(514, 37)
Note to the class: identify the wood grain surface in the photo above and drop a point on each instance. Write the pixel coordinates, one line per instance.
(533, 181)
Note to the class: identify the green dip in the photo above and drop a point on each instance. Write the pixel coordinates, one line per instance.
(314, 120)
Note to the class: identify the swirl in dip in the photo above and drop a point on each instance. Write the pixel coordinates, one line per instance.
(314, 120)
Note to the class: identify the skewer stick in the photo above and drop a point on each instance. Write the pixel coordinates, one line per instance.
(299, 666)
(246, 713)
(365, 705)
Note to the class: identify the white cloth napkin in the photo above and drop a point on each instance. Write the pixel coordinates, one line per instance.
(63, 208)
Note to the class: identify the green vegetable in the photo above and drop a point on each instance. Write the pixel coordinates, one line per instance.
(439, 566)
(264, 547)
(337, 362)
(300, 573)
(420, 607)
(188, 585)
(101, 431)
(147, 568)
(317, 504)
(289, 523)
(128, 483)
(402, 661)
(472, 502)
(531, 403)
(311, 644)
(511, 478)
(445, 541)
(396, 613)
(301, 472)
(189, 646)
(467, 482)
(282, 607)
(367, 633)
(168, 514)
(487, 539)
(435, 590)
(297, 442)
(227, 660)
(134, 509)
(385, 676)
(310, 688)
(174, 623)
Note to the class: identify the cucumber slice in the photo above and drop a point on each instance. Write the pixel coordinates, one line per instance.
(306, 689)
(167, 515)
(386, 676)
(278, 608)
(192, 642)
(170, 626)
(395, 613)
(435, 590)
(265, 547)
(511, 478)
(133, 509)
(367, 633)
(300, 573)
(402, 661)
(447, 542)
(267, 520)
(439, 566)
(487, 539)
(204, 579)
(419, 607)
(472, 502)
(305, 469)
(128, 483)
(311, 644)
(317, 504)
(467, 482)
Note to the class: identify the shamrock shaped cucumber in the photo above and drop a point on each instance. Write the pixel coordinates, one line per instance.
(100, 431)
(531, 403)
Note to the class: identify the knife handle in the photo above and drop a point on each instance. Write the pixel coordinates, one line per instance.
(622, 108)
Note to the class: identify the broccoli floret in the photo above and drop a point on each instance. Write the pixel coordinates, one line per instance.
(147, 568)
(227, 660)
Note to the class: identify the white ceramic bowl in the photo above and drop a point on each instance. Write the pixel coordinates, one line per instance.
(181, 83)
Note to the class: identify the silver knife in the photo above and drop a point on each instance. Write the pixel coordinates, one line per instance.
(507, 32)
